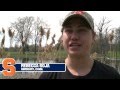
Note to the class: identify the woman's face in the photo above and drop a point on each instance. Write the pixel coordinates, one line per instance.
(77, 37)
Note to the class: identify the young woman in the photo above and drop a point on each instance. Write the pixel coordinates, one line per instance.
(77, 39)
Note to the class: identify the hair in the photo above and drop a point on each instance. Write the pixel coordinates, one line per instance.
(62, 29)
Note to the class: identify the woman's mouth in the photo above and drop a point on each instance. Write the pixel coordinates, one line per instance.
(74, 45)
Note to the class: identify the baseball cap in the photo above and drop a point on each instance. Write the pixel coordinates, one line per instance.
(81, 14)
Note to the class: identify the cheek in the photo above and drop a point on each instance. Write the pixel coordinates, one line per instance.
(65, 40)
(88, 43)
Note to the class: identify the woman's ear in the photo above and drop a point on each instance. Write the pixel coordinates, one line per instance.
(94, 35)
(61, 39)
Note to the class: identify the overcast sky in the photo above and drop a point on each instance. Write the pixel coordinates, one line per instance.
(53, 18)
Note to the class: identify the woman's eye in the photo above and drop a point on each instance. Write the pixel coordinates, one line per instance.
(82, 30)
(68, 30)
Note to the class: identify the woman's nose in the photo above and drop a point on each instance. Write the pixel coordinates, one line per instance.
(74, 36)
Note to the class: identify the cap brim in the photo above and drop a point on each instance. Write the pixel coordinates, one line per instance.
(73, 16)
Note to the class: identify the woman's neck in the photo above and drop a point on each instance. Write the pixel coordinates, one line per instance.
(79, 65)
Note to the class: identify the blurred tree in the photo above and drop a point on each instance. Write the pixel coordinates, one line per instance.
(117, 38)
(102, 39)
(39, 27)
(11, 34)
(23, 28)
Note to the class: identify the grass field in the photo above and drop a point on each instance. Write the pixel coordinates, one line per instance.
(41, 55)
(61, 54)
(113, 54)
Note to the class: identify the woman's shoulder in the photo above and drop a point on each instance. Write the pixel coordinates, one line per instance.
(106, 69)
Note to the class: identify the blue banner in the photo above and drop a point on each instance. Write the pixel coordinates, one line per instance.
(38, 67)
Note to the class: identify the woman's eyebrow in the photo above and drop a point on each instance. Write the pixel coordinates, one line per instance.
(67, 26)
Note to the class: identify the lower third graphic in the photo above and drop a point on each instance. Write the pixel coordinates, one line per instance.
(9, 67)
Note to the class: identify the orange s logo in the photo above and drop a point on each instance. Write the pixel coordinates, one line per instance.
(8, 65)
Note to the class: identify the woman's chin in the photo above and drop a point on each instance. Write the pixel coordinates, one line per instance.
(74, 53)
